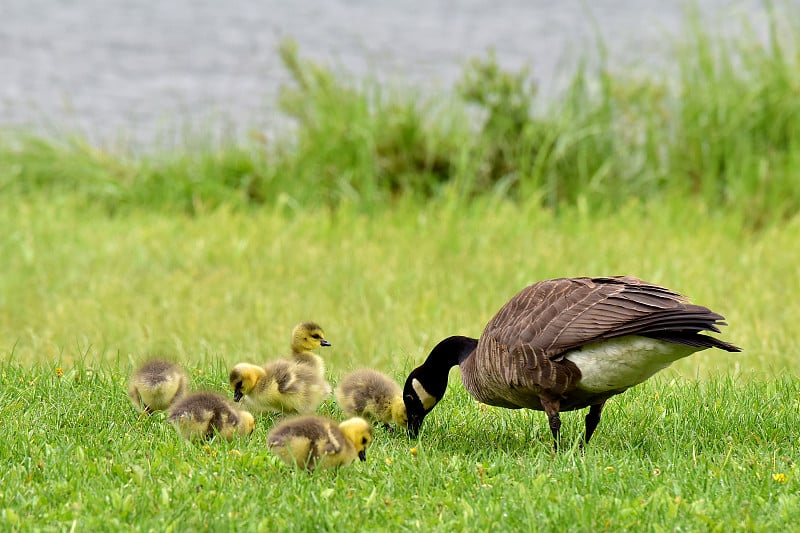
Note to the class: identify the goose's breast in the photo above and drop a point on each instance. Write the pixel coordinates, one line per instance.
(624, 362)
(500, 377)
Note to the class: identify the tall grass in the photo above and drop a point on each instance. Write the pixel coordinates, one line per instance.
(737, 143)
(720, 127)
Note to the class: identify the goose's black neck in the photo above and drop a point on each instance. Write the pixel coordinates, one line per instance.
(448, 353)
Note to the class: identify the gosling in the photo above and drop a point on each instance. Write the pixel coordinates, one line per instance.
(279, 387)
(308, 336)
(372, 395)
(315, 442)
(156, 384)
(206, 414)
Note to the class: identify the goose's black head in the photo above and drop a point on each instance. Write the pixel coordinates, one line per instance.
(419, 401)
(426, 384)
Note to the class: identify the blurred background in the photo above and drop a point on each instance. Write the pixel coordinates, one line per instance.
(132, 71)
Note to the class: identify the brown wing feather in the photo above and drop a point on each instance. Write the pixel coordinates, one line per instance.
(554, 316)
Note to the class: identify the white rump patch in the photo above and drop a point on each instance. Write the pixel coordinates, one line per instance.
(624, 362)
(428, 400)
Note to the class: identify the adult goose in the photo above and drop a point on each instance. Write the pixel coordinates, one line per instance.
(565, 344)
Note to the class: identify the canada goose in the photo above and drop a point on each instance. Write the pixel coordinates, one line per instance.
(564, 344)
(205, 414)
(308, 336)
(372, 395)
(281, 386)
(317, 442)
(156, 384)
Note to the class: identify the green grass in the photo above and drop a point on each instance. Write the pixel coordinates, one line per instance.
(395, 221)
(93, 294)
(715, 455)
(79, 284)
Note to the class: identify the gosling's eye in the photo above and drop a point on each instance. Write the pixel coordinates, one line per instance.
(316, 336)
(364, 440)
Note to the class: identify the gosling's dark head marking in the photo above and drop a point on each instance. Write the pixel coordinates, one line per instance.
(235, 380)
(242, 378)
(237, 394)
(308, 336)
(362, 454)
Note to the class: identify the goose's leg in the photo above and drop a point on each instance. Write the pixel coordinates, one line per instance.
(551, 408)
(592, 419)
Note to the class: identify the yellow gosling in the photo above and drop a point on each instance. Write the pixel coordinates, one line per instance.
(372, 395)
(306, 337)
(315, 442)
(206, 414)
(281, 387)
(156, 384)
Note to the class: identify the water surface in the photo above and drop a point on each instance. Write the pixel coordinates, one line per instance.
(120, 68)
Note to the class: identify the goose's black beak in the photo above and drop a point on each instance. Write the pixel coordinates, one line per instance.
(323, 342)
(414, 411)
(362, 455)
(237, 396)
(414, 425)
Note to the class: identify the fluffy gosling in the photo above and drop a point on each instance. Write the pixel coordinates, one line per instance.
(372, 395)
(313, 442)
(279, 387)
(157, 384)
(308, 336)
(205, 414)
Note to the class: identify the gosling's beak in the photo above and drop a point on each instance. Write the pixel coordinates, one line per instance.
(237, 396)
(362, 455)
(323, 342)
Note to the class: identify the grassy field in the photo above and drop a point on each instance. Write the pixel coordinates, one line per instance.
(716, 455)
(80, 285)
(91, 295)
(394, 221)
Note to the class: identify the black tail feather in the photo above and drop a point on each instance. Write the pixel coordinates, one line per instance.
(691, 338)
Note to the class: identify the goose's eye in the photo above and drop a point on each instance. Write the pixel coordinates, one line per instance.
(364, 440)
(316, 336)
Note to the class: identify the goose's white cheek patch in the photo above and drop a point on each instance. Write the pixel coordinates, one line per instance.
(428, 400)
